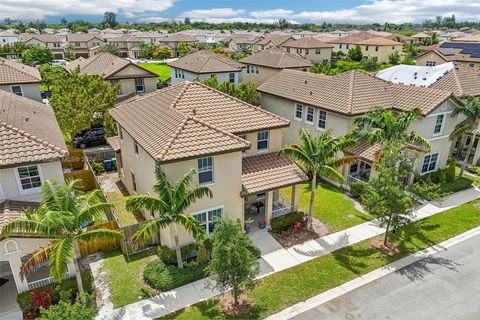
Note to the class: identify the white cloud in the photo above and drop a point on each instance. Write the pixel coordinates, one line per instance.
(271, 13)
(212, 13)
(154, 19)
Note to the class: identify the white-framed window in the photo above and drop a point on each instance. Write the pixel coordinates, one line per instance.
(309, 115)
(376, 48)
(430, 162)
(299, 50)
(471, 65)
(439, 122)
(205, 170)
(134, 182)
(208, 218)
(244, 137)
(251, 69)
(366, 48)
(322, 119)
(135, 147)
(17, 90)
(340, 46)
(429, 63)
(179, 74)
(29, 179)
(318, 50)
(139, 85)
(298, 112)
(262, 141)
(325, 61)
(231, 77)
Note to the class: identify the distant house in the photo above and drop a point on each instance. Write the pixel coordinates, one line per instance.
(173, 40)
(310, 48)
(263, 65)
(20, 79)
(52, 41)
(8, 38)
(420, 37)
(205, 64)
(132, 78)
(465, 53)
(84, 44)
(271, 41)
(474, 38)
(129, 45)
(240, 43)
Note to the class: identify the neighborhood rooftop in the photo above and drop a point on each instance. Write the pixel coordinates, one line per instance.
(276, 58)
(306, 43)
(205, 61)
(14, 72)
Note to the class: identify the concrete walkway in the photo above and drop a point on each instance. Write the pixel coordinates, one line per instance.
(276, 258)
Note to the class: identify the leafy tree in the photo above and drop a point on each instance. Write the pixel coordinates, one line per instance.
(232, 263)
(408, 60)
(471, 109)
(355, 53)
(110, 18)
(170, 204)
(394, 58)
(63, 22)
(183, 49)
(70, 52)
(62, 216)
(50, 74)
(79, 100)
(246, 91)
(316, 156)
(187, 21)
(36, 55)
(162, 53)
(370, 63)
(110, 48)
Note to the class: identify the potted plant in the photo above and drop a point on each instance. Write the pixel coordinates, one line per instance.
(262, 224)
(247, 225)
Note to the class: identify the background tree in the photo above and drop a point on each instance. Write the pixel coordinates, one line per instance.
(187, 21)
(370, 63)
(110, 18)
(50, 74)
(355, 53)
(394, 58)
(76, 98)
(70, 52)
(162, 53)
(62, 216)
(183, 49)
(316, 156)
(247, 91)
(110, 48)
(36, 55)
(170, 204)
(63, 22)
(232, 263)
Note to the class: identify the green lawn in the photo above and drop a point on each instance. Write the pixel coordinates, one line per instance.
(125, 277)
(331, 206)
(285, 288)
(161, 69)
(476, 180)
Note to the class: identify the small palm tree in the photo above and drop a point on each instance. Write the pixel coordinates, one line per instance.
(62, 216)
(471, 109)
(316, 156)
(170, 204)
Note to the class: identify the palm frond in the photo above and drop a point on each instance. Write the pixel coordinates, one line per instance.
(460, 130)
(150, 228)
(28, 226)
(149, 203)
(35, 261)
(60, 254)
(99, 235)
(331, 173)
(91, 211)
(193, 195)
(190, 223)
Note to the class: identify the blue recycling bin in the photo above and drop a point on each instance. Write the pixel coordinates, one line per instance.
(108, 165)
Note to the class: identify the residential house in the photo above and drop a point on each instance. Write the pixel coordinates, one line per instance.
(466, 53)
(206, 36)
(20, 79)
(232, 146)
(8, 38)
(84, 44)
(310, 48)
(241, 43)
(203, 65)
(318, 102)
(31, 149)
(263, 65)
(475, 38)
(174, 40)
(129, 45)
(132, 77)
(271, 41)
(52, 41)
(420, 37)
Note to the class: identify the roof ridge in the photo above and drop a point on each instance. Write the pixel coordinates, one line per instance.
(457, 80)
(203, 122)
(351, 88)
(186, 85)
(224, 60)
(147, 95)
(172, 139)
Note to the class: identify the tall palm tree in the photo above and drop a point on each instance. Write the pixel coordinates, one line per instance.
(170, 204)
(471, 109)
(316, 156)
(61, 216)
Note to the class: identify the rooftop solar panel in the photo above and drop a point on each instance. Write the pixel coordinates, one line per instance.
(445, 52)
(472, 49)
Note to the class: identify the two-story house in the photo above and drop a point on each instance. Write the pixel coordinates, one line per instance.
(204, 64)
(271, 41)
(20, 79)
(132, 77)
(31, 149)
(128, 45)
(318, 102)
(172, 41)
(83, 44)
(466, 53)
(51, 41)
(231, 144)
(310, 48)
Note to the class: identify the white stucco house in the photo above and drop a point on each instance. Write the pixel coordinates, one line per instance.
(20, 79)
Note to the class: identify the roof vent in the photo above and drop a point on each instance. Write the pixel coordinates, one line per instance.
(305, 81)
(424, 79)
(311, 93)
(194, 112)
(26, 119)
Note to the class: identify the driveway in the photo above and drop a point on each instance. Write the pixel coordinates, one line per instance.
(443, 286)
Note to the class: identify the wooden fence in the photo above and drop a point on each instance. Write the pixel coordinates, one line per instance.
(87, 248)
(76, 167)
(126, 245)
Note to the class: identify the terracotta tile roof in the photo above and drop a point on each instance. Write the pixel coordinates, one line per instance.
(470, 38)
(28, 131)
(365, 150)
(190, 119)
(106, 65)
(45, 38)
(276, 58)
(461, 80)
(351, 93)
(83, 37)
(15, 72)
(127, 38)
(451, 54)
(276, 39)
(178, 37)
(420, 35)
(11, 210)
(205, 61)
(365, 38)
(114, 142)
(379, 41)
(266, 172)
(243, 40)
(307, 42)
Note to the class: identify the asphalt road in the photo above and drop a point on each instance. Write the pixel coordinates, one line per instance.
(443, 286)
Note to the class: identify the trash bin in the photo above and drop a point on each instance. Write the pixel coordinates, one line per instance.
(108, 165)
(114, 162)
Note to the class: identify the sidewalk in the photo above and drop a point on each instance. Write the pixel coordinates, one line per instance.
(276, 258)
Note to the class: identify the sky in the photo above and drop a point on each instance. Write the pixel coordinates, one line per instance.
(216, 11)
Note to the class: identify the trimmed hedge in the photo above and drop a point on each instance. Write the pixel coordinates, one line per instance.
(164, 277)
(457, 185)
(169, 256)
(284, 222)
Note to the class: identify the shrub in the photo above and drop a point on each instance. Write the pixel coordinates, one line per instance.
(438, 176)
(458, 185)
(167, 255)
(286, 221)
(473, 169)
(426, 190)
(254, 250)
(450, 171)
(164, 277)
(202, 256)
(357, 189)
(66, 310)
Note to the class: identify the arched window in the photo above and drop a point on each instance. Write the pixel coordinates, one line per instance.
(10, 246)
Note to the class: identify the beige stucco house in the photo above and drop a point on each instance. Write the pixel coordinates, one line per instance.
(83, 44)
(132, 78)
(20, 79)
(270, 41)
(319, 102)
(31, 147)
(51, 41)
(310, 48)
(232, 146)
(457, 52)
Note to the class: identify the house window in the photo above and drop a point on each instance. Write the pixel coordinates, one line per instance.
(288, 49)
(376, 48)
(244, 137)
(471, 65)
(29, 177)
(429, 63)
(120, 132)
(317, 51)
(135, 147)
(77, 44)
(309, 115)
(231, 77)
(205, 170)
(348, 46)
(439, 124)
(306, 51)
(139, 86)
(430, 162)
(366, 48)
(340, 46)
(261, 196)
(262, 141)
(325, 61)
(134, 183)
(17, 90)
(322, 119)
(298, 111)
(207, 219)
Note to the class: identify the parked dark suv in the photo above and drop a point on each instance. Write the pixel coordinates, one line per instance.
(91, 137)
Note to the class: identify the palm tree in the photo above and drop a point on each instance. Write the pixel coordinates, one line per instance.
(61, 216)
(471, 109)
(170, 204)
(316, 156)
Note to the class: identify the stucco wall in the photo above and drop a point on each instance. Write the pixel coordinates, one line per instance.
(382, 53)
(325, 54)
(274, 142)
(128, 86)
(190, 76)
(430, 56)
(29, 90)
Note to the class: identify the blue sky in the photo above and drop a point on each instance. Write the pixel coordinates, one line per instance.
(316, 11)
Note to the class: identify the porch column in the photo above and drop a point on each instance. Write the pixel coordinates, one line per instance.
(345, 169)
(15, 265)
(268, 207)
(476, 155)
(295, 198)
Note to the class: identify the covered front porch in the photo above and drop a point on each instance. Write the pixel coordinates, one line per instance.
(362, 169)
(461, 145)
(262, 178)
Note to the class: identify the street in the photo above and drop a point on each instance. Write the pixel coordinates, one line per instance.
(443, 286)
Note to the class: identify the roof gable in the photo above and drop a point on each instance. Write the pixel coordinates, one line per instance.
(205, 61)
(15, 72)
(276, 58)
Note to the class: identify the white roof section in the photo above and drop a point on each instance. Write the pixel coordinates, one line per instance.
(419, 76)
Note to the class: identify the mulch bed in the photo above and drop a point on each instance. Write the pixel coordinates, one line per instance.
(227, 306)
(389, 250)
(293, 237)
